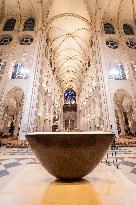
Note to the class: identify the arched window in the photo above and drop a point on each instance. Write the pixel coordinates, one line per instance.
(9, 25)
(128, 30)
(69, 101)
(117, 73)
(20, 72)
(109, 28)
(69, 97)
(29, 24)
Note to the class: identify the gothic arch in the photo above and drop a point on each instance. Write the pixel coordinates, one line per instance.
(124, 112)
(128, 29)
(10, 24)
(29, 24)
(109, 28)
(13, 106)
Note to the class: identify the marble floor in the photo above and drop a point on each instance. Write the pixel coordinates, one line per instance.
(23, 181)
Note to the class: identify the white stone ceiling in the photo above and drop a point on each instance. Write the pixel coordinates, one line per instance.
(120, 11)
(70, 25)
(69, 30)
(19, 8)
(109, 9)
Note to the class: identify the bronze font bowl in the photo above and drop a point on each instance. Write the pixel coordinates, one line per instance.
(70, 155)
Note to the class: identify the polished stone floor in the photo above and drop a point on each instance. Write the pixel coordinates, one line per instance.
(23, 181)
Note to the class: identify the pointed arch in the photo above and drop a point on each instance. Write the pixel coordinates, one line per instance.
(29, 24)
(10, 24)
(128, 30)
(109, 28)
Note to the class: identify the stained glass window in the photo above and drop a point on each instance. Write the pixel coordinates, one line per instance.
(27, 40)
(9, 25)
(131, 44)
(29, 25)
(4, 40)
(112, 44)
(70, 97)
(109, 28)
(20, 72)
(117, 73)
(128, 30)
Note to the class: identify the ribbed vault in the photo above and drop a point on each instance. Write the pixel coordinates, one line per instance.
(122, 10)
(70, 27)
(69, 32)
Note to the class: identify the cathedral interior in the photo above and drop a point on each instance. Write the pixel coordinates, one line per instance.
(67, 65)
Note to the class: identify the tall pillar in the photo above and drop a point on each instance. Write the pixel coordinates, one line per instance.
(121, 122)
(17, 122)
(29, 108)
(132, 124)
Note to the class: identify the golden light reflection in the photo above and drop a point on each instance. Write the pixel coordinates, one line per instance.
(70, 193)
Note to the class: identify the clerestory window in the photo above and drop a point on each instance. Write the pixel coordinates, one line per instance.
(128, 30)
(9, 25)
(20, 72)
(109, 28)
(29, 24)
(117, 73)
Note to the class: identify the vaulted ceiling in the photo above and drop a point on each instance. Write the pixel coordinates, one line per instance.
(126, 9)
(70, 25)
(69, 29)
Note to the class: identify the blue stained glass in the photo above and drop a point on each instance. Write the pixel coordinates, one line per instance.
(70, 95)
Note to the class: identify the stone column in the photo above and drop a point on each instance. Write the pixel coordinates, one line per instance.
(132, 124)
(17, 122)
(121, 122)
(29, 108)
